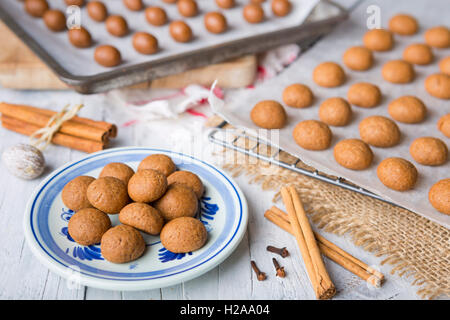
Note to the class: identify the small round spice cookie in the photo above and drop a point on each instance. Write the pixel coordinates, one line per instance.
(88, 225)
(335, 112)
(116, 25)
(225, 4)
(180, 31)
(79, 3)
(133, 5)
(438, 37)
(147, 185)
(117, 170)
(444, 65)
(281, 8)
(187, 8)
(156, 16)
(36, 8)
(108, 194)
(353, 154)
(145, 43)
(443, 125)
(268, 114)
(107, 56)
(55, 20)
(178, 201)
(183, 235)
(170, 1)
(80, 37)
(407, 109)
(378, 40)
(438, 85)
(439, 196)
(298, 96)
(403, 24)
(215, 22)
(158, 162)
(418, 53)
(329, 74)
(358, 58)
(253, 13)
(397, 174)
(429, 151)
(364, 94)
(188, 179)
(312, 135)
(97, 11)
(379, 131)
(74, 193)
(398, 71)
(122, 244)
(142, 217)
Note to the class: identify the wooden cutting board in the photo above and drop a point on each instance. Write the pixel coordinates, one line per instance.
(20, 68)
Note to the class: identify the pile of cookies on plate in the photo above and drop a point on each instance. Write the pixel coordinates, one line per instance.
(375, 131)
(156, 200)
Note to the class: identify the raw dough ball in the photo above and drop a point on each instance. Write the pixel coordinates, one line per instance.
(117, 170)
(147, 185)
(80, 37)
(97, 11)
(74, 193)
(170, 1)
(257, 1)
(142, 217)
(24, 161)
(312, 135)
(117, 25)
(253, 13)
(438, 37)
(298, 96)
(88, 225)
(122, 244)
(180, 31)
(133, 5)
(398, 71)
(444, 125)
(429, 151)
(335, 112)
(268, 114)
(178, 201)
(407, 109)
(281, 8)
(403, 24)
(145, 43)
(156, 16)
(187, 8)
(364, 94)
(329, 74)
(379, 131)
(378, 40)
(107, 56)
(183, 235)
(225, 4)
(79, 3)
(397, 174)
(188, 179)
(438, 85)
(108, 194)
(159, 162)
(353, 154)
(439, 196)
(418, 53)
(55, 20)
(444, 65)
(36, 8)
(358, 58)
(215, 22)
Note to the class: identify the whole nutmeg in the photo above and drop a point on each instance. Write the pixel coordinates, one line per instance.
(80, 37)
(253, 13)
(97, 11)
(215, 22)
(156, 16)
(145, 43)
(117, 25)
(187, 8)
(180, 31)
(107, 56)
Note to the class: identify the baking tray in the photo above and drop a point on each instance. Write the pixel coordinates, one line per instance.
(142, 72)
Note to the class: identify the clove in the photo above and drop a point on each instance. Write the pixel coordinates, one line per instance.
(280, 270)
(281, 251)
(260, 275)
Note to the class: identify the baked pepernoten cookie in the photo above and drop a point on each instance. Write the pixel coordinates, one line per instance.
(159, 162)
(378, 40)
(407, 109)
(429, 151)
(88, 225)
(403, 24)
(329, 74)
(122, 244)
(397, 174)
(438, 37)
(439, 196)
(335, 112)
(298, 96)
(438, 85)
(353, 154)
(443, 125)
(74, 193)
(178, 201)
(268, 114)
(118, 170)
(398, 71)
(147, 185)
(358, 58)
(183, 235)
(418, 53)
(379, 131)
(444, 65)
(312, 135)
(188, 179)
(108, 194)
(364, 94)
(142, 217)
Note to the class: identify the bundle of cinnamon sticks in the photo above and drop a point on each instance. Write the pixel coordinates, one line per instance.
(77, 133)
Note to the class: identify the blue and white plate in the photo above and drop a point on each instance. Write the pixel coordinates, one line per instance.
(223, 212)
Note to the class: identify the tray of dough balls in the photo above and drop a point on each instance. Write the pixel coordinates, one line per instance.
(134, 219)
(122, 42)
(369, 106)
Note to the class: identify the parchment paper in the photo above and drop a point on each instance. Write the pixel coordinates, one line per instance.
(236, 110)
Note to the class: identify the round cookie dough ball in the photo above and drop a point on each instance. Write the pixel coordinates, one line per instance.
(418, 53)
(147, 185)
(180, 31)
(117, 170)
(215, 22)
(439, 196)
(353, 154)
(183, 235)
(268, 114)
(187, 8)
(142, 217)
(225, 4)
(312, 135)
(438, 85)
(298, 96)
(80, 37)
(122, 244)
(79, 3)
(178, 201)
(364, 94)
(74, 194)
(398, 71)
(379, 131)
(438, 37)
(145, 43)
(133, 5)
(108, 194)
(403, 24)
(88, 225)
(97, 11)
(170, 1)
(36, 8)
(156, 16)
(397, 174)
(443, 125)
(253, 13)
(281, 8)
(329, 74)
(444, 65)
(117, 25)
(335, 112)
(407, 109)
(429, 151)
(188, 179)
(358, 58)
(378, 40)
(107, 56)
(55, 20)
(158, 162)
